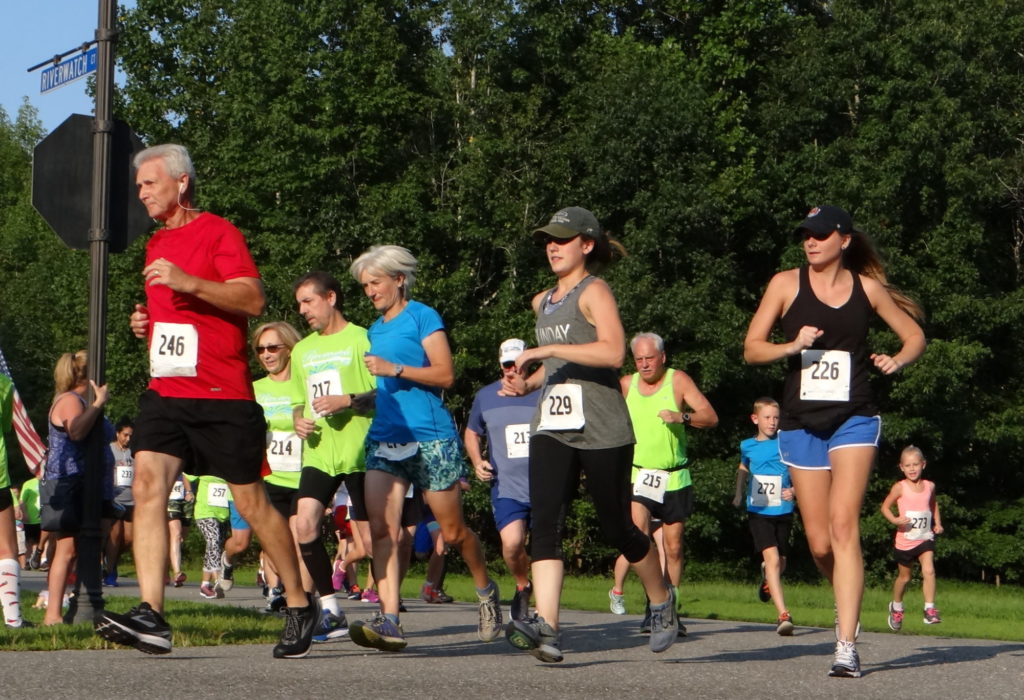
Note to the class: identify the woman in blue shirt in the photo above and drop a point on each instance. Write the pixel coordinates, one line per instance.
(412, 440)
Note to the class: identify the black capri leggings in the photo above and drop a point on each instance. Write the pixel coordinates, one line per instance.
(554, 477)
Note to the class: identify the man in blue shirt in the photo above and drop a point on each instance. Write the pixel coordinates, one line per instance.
(504, 422)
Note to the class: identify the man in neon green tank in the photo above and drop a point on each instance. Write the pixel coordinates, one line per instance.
(662, 403)
(332, 396)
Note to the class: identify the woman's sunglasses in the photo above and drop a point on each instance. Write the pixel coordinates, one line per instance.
(272, 349)
(816, 235)
(547, 239)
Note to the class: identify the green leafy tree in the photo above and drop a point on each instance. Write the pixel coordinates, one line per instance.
(699, 132)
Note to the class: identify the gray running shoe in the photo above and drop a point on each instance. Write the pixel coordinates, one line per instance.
(616, 602)
(664, 624)
(379, 633)
(520, 609)
(490, 615)
(535, 636)
(846, 663)
(931, 616)
(895, 618)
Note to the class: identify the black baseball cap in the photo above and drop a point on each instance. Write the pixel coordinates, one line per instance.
(826, 219)
(570, 222)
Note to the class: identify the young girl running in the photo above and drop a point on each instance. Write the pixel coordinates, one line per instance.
(212, 520)
(581, 424)
(830, 427)
(917, 522)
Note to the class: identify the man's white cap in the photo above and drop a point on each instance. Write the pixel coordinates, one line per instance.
(510, 350)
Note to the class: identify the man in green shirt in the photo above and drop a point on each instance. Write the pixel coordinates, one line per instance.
(331, 396)
(662, 403)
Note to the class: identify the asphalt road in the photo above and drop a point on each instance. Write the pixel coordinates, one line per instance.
(605, 657)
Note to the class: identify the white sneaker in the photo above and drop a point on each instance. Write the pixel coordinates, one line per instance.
(846, 663)
(617, 602)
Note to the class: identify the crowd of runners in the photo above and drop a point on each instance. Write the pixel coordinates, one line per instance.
(351, 422)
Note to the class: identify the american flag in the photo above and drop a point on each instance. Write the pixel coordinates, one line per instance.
(31, 444)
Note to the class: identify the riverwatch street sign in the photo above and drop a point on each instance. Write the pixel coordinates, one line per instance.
(68, 70)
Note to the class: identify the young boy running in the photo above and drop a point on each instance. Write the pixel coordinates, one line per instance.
(917, 523)
(769, 497)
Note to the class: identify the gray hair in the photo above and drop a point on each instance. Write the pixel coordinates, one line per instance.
(392, 260)
(175, 157)
(659, 344)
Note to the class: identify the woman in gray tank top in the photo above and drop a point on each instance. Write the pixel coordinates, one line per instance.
(581, 424)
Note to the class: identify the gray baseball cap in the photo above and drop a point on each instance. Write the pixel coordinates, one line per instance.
(570, 222)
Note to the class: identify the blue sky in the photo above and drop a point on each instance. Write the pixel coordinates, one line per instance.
(37, 31)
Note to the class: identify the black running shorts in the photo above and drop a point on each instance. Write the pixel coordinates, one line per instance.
(214, 437)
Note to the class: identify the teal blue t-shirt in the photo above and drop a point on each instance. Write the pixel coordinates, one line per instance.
(408, 411)
(768, 476)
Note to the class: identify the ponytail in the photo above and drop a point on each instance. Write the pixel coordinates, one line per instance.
(606, 249)
(862, 258)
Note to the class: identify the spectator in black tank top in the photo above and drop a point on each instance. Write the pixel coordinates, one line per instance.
(830, 427)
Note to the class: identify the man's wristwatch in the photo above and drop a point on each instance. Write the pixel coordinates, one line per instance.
(399, 369)
(686, 418)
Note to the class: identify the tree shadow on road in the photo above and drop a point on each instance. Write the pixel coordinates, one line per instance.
(456, 640)
(951, 654)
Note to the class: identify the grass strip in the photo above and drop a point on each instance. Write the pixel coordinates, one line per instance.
(194, 624)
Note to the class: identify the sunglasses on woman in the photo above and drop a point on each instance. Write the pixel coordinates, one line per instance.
(816, 235)
(272, 349)
(547, 239)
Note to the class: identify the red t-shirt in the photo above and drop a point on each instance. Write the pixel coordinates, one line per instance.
(211, 248)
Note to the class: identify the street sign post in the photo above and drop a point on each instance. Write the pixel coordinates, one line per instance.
(69, 70)
(105, 186)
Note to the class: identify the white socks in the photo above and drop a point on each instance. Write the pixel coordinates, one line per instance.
(9, 591)
(331, 603)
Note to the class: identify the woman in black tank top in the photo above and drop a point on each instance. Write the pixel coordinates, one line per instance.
(825, 308)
